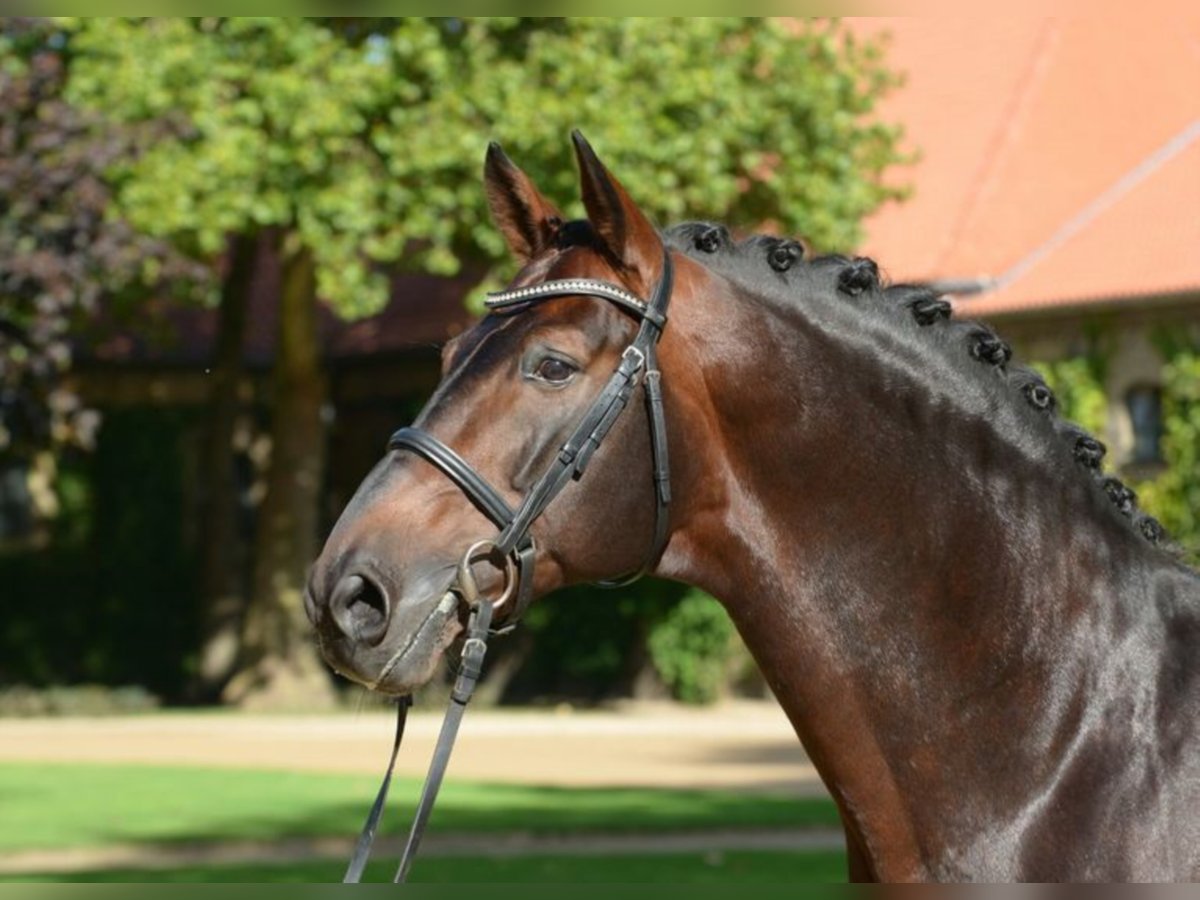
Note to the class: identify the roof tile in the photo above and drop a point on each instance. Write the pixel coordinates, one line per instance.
(1028, 139)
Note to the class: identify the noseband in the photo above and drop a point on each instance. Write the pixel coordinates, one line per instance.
(514, 547)
(639, 361)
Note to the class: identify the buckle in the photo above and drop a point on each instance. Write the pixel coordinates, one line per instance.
(632, 352)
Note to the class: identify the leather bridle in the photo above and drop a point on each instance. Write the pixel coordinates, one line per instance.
(638, 361)
(513, 548)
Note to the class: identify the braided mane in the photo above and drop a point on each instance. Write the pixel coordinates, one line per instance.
(775, 268)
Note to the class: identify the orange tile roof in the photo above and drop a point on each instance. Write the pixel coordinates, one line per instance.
(1060, 157)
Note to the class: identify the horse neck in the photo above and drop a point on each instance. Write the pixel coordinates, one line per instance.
(922, 596)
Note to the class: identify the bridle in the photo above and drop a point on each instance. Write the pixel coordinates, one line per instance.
(513, 548)
(639, 360)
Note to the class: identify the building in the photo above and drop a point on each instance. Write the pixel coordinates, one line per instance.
(1057, 194)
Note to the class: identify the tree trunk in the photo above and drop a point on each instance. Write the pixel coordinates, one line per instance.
(504, 663)
(641, 680)
(222, 585)
(280, 666)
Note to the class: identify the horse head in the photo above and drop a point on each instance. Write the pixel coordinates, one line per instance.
(516, 389)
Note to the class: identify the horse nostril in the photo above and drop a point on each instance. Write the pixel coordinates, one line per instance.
(360, 608)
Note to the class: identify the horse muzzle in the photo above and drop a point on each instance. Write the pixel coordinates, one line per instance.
(380, 634)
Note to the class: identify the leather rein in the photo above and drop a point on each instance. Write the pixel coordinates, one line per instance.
(513, 548)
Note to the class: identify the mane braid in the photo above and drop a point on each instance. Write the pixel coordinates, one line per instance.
(751, 261)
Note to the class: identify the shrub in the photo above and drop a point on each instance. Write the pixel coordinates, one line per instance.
(692, 647)
(78, 700)
(1174, 496)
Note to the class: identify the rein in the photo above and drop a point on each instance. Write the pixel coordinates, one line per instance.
(514, 545)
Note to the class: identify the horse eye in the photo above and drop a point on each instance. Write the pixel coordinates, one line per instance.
(554, 370)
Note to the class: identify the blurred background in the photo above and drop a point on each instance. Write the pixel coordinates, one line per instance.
(229, 252)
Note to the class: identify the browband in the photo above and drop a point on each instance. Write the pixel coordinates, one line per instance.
(506, 300)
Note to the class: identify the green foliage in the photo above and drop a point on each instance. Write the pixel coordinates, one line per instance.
(1078, 384)
(76, 700)
(692, 646)
(1174, 497)
(60, 255)
(587, 640)
(363, 138)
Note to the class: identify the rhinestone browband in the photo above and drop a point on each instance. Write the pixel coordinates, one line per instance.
(502, 300)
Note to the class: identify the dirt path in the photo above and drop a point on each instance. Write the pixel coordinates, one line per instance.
(231, 853)
(741, 746)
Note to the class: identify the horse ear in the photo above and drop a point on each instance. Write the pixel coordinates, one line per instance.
(623, 228)
(529, 222)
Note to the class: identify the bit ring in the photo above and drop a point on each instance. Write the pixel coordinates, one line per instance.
(481, 550)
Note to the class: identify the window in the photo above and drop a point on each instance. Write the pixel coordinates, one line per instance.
(1144, 403)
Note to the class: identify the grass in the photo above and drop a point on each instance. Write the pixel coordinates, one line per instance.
(732, 868)
(52, 806)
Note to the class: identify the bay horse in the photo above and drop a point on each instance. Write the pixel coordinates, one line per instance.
(990, 655)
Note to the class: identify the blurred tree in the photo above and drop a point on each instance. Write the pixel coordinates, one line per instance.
(222, 577)
(1174, 496)
(692, 647)
(60, 251)
(359, 142)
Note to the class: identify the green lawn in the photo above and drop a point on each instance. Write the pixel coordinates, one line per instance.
(52, 806)
(732, 868)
